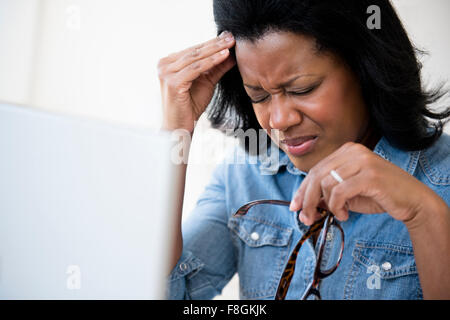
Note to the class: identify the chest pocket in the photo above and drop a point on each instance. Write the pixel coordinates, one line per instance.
(262, 252)
(382, 271)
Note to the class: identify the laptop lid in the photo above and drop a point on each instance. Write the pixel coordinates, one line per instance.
(86, 208)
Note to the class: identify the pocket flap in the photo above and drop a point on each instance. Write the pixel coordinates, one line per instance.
(387, 259)
(257, 233)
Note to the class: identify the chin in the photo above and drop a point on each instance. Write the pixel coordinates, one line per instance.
(302, 164)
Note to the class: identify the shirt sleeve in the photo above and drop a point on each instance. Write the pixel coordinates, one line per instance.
(208, 259)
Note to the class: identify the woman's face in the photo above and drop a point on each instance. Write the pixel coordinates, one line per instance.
(312, 99)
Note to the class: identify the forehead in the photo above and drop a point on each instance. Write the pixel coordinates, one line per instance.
(277, 56)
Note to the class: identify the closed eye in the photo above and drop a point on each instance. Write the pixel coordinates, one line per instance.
(295, 93)
(303, 92)
(260, 100)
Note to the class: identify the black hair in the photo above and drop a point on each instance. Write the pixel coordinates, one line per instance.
(384, 61)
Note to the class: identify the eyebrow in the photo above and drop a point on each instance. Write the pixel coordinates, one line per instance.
(284, 84)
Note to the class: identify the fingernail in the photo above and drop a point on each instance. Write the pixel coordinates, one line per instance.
(229, 38)
(300, 217)
(292, 205)
(309, 222)
(303, 219)
(224, 34)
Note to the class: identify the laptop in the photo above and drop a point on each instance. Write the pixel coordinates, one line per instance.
(86, 208)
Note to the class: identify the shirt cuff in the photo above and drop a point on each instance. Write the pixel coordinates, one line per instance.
(186, 265)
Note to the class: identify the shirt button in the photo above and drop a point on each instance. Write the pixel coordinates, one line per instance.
(183, 266)
(329, 236)
(254, 236)
(386, 266)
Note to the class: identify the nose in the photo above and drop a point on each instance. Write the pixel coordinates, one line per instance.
(283, 113)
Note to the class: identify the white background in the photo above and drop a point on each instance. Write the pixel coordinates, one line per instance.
(97, 59)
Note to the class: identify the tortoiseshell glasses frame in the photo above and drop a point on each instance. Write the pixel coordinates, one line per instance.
(315, 229)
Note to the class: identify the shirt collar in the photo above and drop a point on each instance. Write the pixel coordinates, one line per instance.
(407, 160)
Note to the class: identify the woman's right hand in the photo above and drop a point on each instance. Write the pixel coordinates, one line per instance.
(188, 79)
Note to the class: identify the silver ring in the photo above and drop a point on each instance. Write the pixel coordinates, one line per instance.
(336, 177)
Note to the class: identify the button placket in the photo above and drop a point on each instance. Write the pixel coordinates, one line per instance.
(308, 270)
(327, 249)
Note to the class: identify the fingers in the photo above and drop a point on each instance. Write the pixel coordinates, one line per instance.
(319, 184)
(340, 194)
(200, 52)
(179, 70)
(335, 159)
(329, 183)
(188, 80)
(354, 189)
(177, 55)
(197, 68)
(311, 198)
(318, 193)
(309, 219)
(216, 73)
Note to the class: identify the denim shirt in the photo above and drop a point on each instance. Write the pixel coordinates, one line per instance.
(378, 260)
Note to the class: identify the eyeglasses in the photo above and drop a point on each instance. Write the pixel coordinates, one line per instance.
(321, 229)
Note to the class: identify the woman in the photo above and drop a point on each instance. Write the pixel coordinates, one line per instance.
(345, 106)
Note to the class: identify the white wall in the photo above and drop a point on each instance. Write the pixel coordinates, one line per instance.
(97, 58)
(428, 25)
(17, 21)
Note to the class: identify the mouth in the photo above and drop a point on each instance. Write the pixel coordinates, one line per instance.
(300, 145)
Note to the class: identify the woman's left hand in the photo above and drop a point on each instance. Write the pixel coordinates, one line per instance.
(370, 184)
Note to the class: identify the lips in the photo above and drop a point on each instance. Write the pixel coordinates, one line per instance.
(301, 145)
(297, 141)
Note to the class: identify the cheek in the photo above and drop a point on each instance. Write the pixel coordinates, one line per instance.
(263, 117)
(325, 108)
(341, 110)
